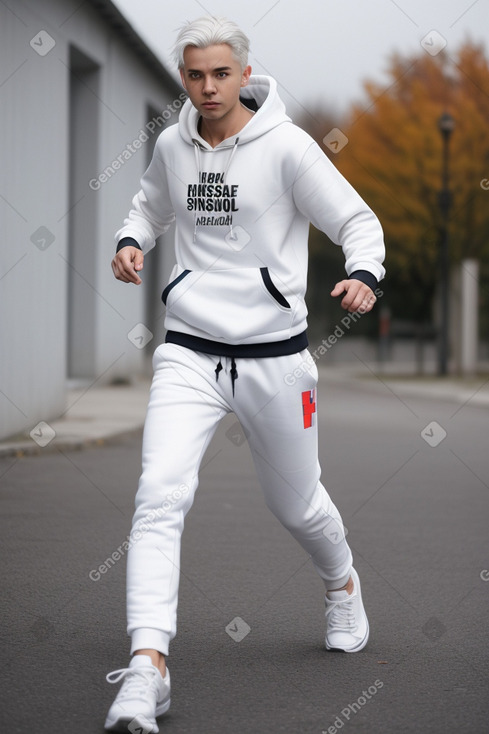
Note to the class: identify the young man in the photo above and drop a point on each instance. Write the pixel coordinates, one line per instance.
(242, 183)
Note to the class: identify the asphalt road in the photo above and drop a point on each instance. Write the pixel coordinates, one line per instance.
(416, 505)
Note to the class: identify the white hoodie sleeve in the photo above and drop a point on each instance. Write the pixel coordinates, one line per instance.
(152, 210)
(326, 198)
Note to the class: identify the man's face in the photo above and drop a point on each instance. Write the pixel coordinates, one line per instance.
(213, 79)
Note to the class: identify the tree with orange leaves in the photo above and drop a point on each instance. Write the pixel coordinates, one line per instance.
(394, 160)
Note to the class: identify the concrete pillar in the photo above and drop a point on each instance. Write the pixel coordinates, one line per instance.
(469, 316)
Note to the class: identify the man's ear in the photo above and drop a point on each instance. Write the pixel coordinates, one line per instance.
(245, 77)
(182, 77)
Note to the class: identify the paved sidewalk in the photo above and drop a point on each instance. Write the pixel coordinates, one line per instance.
(96, 415)
(461, 390)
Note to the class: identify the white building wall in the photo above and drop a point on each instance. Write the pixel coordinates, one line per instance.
(35, 203)
(120, 133)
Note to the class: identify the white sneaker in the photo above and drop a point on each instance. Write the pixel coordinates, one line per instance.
(143, 696)
(347, 624)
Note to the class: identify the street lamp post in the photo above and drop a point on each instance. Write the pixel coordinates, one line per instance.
(446, 124)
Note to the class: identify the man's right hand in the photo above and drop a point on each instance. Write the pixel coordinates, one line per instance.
(127, 263)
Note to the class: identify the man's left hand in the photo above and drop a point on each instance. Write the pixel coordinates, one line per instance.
(357, 297)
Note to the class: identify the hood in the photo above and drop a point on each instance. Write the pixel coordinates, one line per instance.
(271, 113)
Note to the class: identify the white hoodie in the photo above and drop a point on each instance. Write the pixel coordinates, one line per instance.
(242, 213)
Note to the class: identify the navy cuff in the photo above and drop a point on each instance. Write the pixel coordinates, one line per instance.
(366, 277)
(127, 242)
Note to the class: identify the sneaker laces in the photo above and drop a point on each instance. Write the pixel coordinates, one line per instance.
(341, 614)
(136, 679)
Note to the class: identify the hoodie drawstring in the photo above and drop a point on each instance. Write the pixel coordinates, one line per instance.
(197, 149)
(233, 372)
(228, 164)
(197, 163)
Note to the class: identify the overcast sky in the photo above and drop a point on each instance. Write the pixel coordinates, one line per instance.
(320, 50)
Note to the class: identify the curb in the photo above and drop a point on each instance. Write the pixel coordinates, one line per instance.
(28, 447)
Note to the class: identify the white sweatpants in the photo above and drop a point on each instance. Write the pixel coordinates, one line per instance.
(279, 421)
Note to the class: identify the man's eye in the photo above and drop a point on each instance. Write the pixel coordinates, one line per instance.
(222, 74)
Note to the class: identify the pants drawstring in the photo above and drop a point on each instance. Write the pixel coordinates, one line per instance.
(233, 372)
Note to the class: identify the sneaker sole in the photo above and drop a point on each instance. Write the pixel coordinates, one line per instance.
(138, 725)
(141, 726)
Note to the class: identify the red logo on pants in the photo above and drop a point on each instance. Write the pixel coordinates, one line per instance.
(308, 407)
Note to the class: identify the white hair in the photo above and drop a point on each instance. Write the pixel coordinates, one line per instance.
(208, 31)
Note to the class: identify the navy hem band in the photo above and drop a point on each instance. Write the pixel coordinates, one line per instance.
(263, 349)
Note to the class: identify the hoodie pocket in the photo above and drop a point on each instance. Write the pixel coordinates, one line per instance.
(272, 289)
(235, 305)
(172, 284)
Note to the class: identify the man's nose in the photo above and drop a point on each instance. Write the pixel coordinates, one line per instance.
(209, 85)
